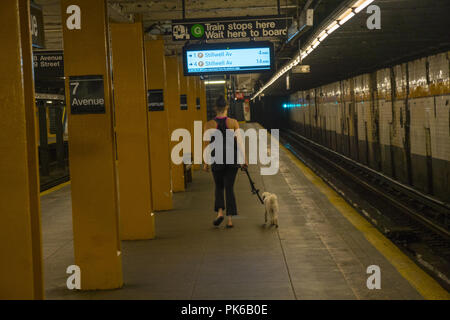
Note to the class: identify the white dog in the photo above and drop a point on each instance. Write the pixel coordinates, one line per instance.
(271, 204)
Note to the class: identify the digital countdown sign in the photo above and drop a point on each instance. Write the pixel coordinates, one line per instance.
(253, 57)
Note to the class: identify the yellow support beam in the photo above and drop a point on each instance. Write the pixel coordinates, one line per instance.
(203, 101)
(91, 143)
(130, 96)
(192, 111)
(158, 125)
(20, 227)
(201, 111)
(176, 119)
(184, 100)
(198, 107)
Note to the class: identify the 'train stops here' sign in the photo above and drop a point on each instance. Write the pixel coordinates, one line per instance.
(87, 94)
(230, 28)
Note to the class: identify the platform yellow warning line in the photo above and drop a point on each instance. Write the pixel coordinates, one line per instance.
(419, 279)
(55, 188)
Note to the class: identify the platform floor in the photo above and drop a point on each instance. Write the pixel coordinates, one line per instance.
(316, 253)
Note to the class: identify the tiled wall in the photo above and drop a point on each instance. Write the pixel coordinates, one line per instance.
(396, 120)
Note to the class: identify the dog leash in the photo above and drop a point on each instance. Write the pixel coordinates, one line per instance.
(252, 184)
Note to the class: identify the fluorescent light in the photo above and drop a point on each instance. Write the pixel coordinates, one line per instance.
(347, 15)
(215, 82)
(329, 31)
(322, 34)
(341, 22)
(333, 26)
(323, 37)
(363, 5)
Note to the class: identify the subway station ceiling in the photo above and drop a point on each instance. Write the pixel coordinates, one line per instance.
(409, 28)
(158, 14)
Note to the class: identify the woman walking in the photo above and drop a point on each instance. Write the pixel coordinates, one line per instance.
(224, 173)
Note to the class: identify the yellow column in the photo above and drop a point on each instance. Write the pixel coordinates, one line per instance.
(192, 95)
(203, 101)
(158, 125)
(198, 108)
(91, 144)
(130, 96)
(20, 226)
(184, 97)
(176, 119)
(192, 111)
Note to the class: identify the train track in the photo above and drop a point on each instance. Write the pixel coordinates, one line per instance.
(417, 223)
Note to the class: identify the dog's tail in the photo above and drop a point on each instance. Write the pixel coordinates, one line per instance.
(273, 200)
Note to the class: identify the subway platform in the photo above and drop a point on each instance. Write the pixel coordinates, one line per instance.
(321, 249)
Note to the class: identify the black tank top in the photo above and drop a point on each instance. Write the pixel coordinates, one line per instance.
(227, 147)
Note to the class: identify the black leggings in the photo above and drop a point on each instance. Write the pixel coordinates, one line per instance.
(224, 179)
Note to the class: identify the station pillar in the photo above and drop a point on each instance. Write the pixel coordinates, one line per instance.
(198, 117)
(175, 117)
(136, 217)
(192, 113)
(204, 110)
(158, 125)
(185, 107)
(20, 226)
(201, 111)
(92, 153)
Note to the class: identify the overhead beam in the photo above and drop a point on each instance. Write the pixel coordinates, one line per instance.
(206, 11)
(116, 13)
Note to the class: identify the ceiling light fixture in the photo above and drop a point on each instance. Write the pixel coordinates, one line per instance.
(215, 82)
(324, 32)
(363, 5)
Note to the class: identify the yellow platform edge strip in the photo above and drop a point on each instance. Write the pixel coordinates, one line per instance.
(418, 278)
(55, 188)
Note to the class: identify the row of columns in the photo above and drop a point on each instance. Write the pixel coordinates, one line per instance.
(119, 156)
